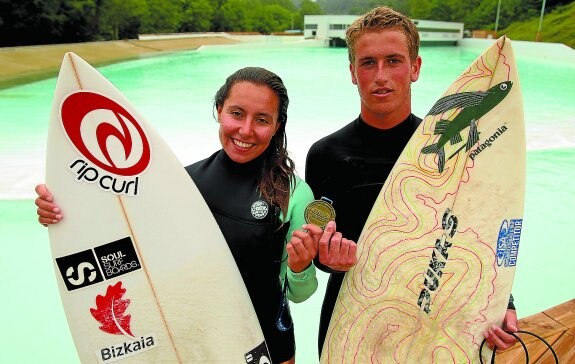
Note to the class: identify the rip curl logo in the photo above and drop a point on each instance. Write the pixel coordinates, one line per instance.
(110, 312)
(110, 138)
(259, 209)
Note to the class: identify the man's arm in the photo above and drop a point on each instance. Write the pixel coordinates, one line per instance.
(496, 336)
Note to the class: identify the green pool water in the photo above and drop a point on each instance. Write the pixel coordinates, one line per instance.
(174, 93)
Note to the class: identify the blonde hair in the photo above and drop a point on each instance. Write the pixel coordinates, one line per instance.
(378, 19)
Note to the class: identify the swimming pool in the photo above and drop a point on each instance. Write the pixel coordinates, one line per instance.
(175, 92)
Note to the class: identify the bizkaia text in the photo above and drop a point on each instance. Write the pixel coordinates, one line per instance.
(115, 184)
(126, 349)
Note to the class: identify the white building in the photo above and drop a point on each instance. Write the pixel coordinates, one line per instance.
(333, 27)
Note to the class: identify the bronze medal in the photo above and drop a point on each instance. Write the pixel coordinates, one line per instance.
(319, 212)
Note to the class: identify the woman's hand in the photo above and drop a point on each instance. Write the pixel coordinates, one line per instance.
(301, 249)
(48, 212)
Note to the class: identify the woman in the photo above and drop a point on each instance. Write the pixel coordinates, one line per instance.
(257, 200)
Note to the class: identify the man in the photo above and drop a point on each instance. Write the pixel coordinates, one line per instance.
(351, 165)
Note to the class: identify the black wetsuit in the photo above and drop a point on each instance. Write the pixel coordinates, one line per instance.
(255, 235)
(350, 167)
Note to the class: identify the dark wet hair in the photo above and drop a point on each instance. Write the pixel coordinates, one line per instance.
(278, 170)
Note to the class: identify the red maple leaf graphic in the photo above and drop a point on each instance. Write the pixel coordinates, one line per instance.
(110, 311)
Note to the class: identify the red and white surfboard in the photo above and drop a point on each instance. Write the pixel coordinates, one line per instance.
(144, 272)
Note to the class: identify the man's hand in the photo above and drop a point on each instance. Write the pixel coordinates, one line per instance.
(335, 251)
(496, 336)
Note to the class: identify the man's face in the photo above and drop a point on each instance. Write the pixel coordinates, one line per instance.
(383, 73)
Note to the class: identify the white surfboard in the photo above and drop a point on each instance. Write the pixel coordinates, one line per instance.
(144, 272)
(437, 255)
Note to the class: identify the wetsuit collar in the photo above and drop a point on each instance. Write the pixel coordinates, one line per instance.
(252, 166)
(369, 132)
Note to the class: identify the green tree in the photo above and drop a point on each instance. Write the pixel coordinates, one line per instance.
(419, 9)
(307, 7)
(121, 19)
(197, 16)
(27, 22)
(271, 18)
(286, 4)
(234, 16)
(162, 17)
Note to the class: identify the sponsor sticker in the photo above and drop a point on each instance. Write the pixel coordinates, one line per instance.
(110, 312)
(93, 266)
(259, 355)
(113, 146)
(79, 270)
(126, 349)
(117, 258)
(260, 209)
(508, 242)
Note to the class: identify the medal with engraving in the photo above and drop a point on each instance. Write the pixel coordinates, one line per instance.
(320, 212)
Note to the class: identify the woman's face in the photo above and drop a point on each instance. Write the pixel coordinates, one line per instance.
(248, 121)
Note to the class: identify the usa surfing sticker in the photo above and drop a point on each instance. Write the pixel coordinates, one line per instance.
(113, 145)
(508, 242)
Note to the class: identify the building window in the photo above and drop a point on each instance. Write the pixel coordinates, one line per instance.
(311, 26)
(337, 26)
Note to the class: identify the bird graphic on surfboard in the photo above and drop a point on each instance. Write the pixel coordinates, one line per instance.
(473, 106)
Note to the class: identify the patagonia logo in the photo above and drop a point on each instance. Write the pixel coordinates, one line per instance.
(487, 143)
(473, 106)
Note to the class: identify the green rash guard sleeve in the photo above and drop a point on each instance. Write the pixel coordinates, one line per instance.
(303, 284)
